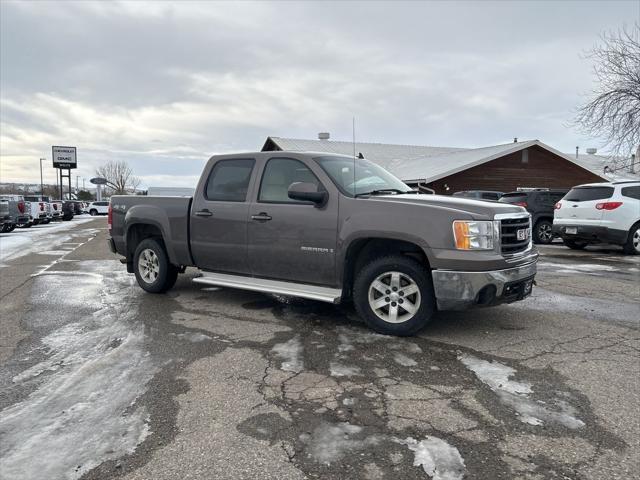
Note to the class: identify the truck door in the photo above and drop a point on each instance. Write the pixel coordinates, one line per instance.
(291, 240)
(219, 217)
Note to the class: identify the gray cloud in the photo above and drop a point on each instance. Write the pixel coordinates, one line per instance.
(166, 85)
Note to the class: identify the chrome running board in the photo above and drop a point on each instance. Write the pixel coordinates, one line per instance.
(302, 290)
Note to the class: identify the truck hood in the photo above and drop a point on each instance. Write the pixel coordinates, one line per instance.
(477, 208)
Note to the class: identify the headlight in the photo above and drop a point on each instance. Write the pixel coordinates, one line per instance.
(476, 235)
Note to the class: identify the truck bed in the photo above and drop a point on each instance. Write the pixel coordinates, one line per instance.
(170, 215)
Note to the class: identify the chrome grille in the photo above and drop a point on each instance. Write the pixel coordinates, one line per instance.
(509, 243)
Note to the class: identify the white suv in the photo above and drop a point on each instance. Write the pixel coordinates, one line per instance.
(600, 213)
(98, 208)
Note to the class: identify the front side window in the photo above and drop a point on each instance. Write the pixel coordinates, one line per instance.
(279, 174)
(360, 176)
(229, 180)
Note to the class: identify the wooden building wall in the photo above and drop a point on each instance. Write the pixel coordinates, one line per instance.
(535, 168)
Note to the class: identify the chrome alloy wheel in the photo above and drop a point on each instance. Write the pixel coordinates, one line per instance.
(394, 297)
(148, 265)
(635, 240)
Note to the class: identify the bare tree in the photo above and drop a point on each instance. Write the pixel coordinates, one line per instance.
(119, 177)
(612, 111)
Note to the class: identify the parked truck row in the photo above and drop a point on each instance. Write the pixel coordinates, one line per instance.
(329, 228)
(24, 211)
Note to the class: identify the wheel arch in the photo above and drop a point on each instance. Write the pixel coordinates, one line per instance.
(136, 233)
(362, 250)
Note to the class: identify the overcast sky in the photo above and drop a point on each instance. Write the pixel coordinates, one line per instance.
(164, 86)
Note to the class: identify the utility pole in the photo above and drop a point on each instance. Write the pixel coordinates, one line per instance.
(41, 182)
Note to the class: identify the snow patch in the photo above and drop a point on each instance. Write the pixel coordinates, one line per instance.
(194, 337)
(290, 352)
(437, 458)
(39, 238)
(586, 268)
(82, 411)
(339, 370)
(329, 443)
(403, 360)
(516, 394)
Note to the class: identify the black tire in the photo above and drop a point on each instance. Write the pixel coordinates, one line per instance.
(632, 246)
(5, 228)
(93, 212)
(46, 221)
(166, 275)
(542, 232)
(574, 244)
(407, 267)
(11, 227)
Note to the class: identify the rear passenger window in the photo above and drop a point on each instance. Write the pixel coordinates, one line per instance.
(631, 192)
(229, 180)
(279, 174)
(586, 194)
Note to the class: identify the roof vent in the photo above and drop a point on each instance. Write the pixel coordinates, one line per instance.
(515, 139)
(323, 136)
(592, 151)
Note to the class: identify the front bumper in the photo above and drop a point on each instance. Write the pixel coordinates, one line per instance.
(591, 234)
(456, 290)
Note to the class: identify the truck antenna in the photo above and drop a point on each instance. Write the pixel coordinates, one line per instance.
(353, 129)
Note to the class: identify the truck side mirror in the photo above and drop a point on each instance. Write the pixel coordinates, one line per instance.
(307, 192)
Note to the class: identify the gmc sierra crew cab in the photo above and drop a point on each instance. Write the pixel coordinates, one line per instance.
(330, 228)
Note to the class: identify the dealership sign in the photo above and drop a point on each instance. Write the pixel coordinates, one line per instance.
(64, 157)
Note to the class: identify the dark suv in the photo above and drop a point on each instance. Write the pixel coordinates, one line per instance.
(540, 204)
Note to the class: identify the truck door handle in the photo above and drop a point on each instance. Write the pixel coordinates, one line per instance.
(261, 217)
(204, 213)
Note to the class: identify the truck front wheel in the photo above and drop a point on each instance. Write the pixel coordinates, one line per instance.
(394, 295)
(151, 266)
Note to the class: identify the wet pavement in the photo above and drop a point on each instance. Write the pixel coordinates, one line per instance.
(101, 380)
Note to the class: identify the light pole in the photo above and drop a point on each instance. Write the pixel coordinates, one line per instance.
(41, 182)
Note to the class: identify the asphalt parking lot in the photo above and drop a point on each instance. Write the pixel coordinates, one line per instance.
(100, 380)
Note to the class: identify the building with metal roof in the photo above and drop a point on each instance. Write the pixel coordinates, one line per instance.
(527, 164)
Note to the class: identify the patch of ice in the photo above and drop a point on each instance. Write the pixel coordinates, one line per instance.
(194, 337)
(339, 370)
(39, 238)
(438, 459)
(516, 394)
(494, 374)
(403, 360)
(82, 412)
(290, 352)
(586, 268)
(328, 443)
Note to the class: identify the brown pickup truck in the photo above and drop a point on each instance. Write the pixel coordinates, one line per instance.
(329, 228)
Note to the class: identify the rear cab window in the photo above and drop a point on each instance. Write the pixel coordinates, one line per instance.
(586, 194)
(229, 180)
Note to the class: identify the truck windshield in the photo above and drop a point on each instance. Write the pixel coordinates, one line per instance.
(368, 176)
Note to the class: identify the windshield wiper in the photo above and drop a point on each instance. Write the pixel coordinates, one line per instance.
(382, 191)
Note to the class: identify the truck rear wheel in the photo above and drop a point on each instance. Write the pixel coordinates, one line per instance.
(632, 247)
(394, 295)
(151, 266)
